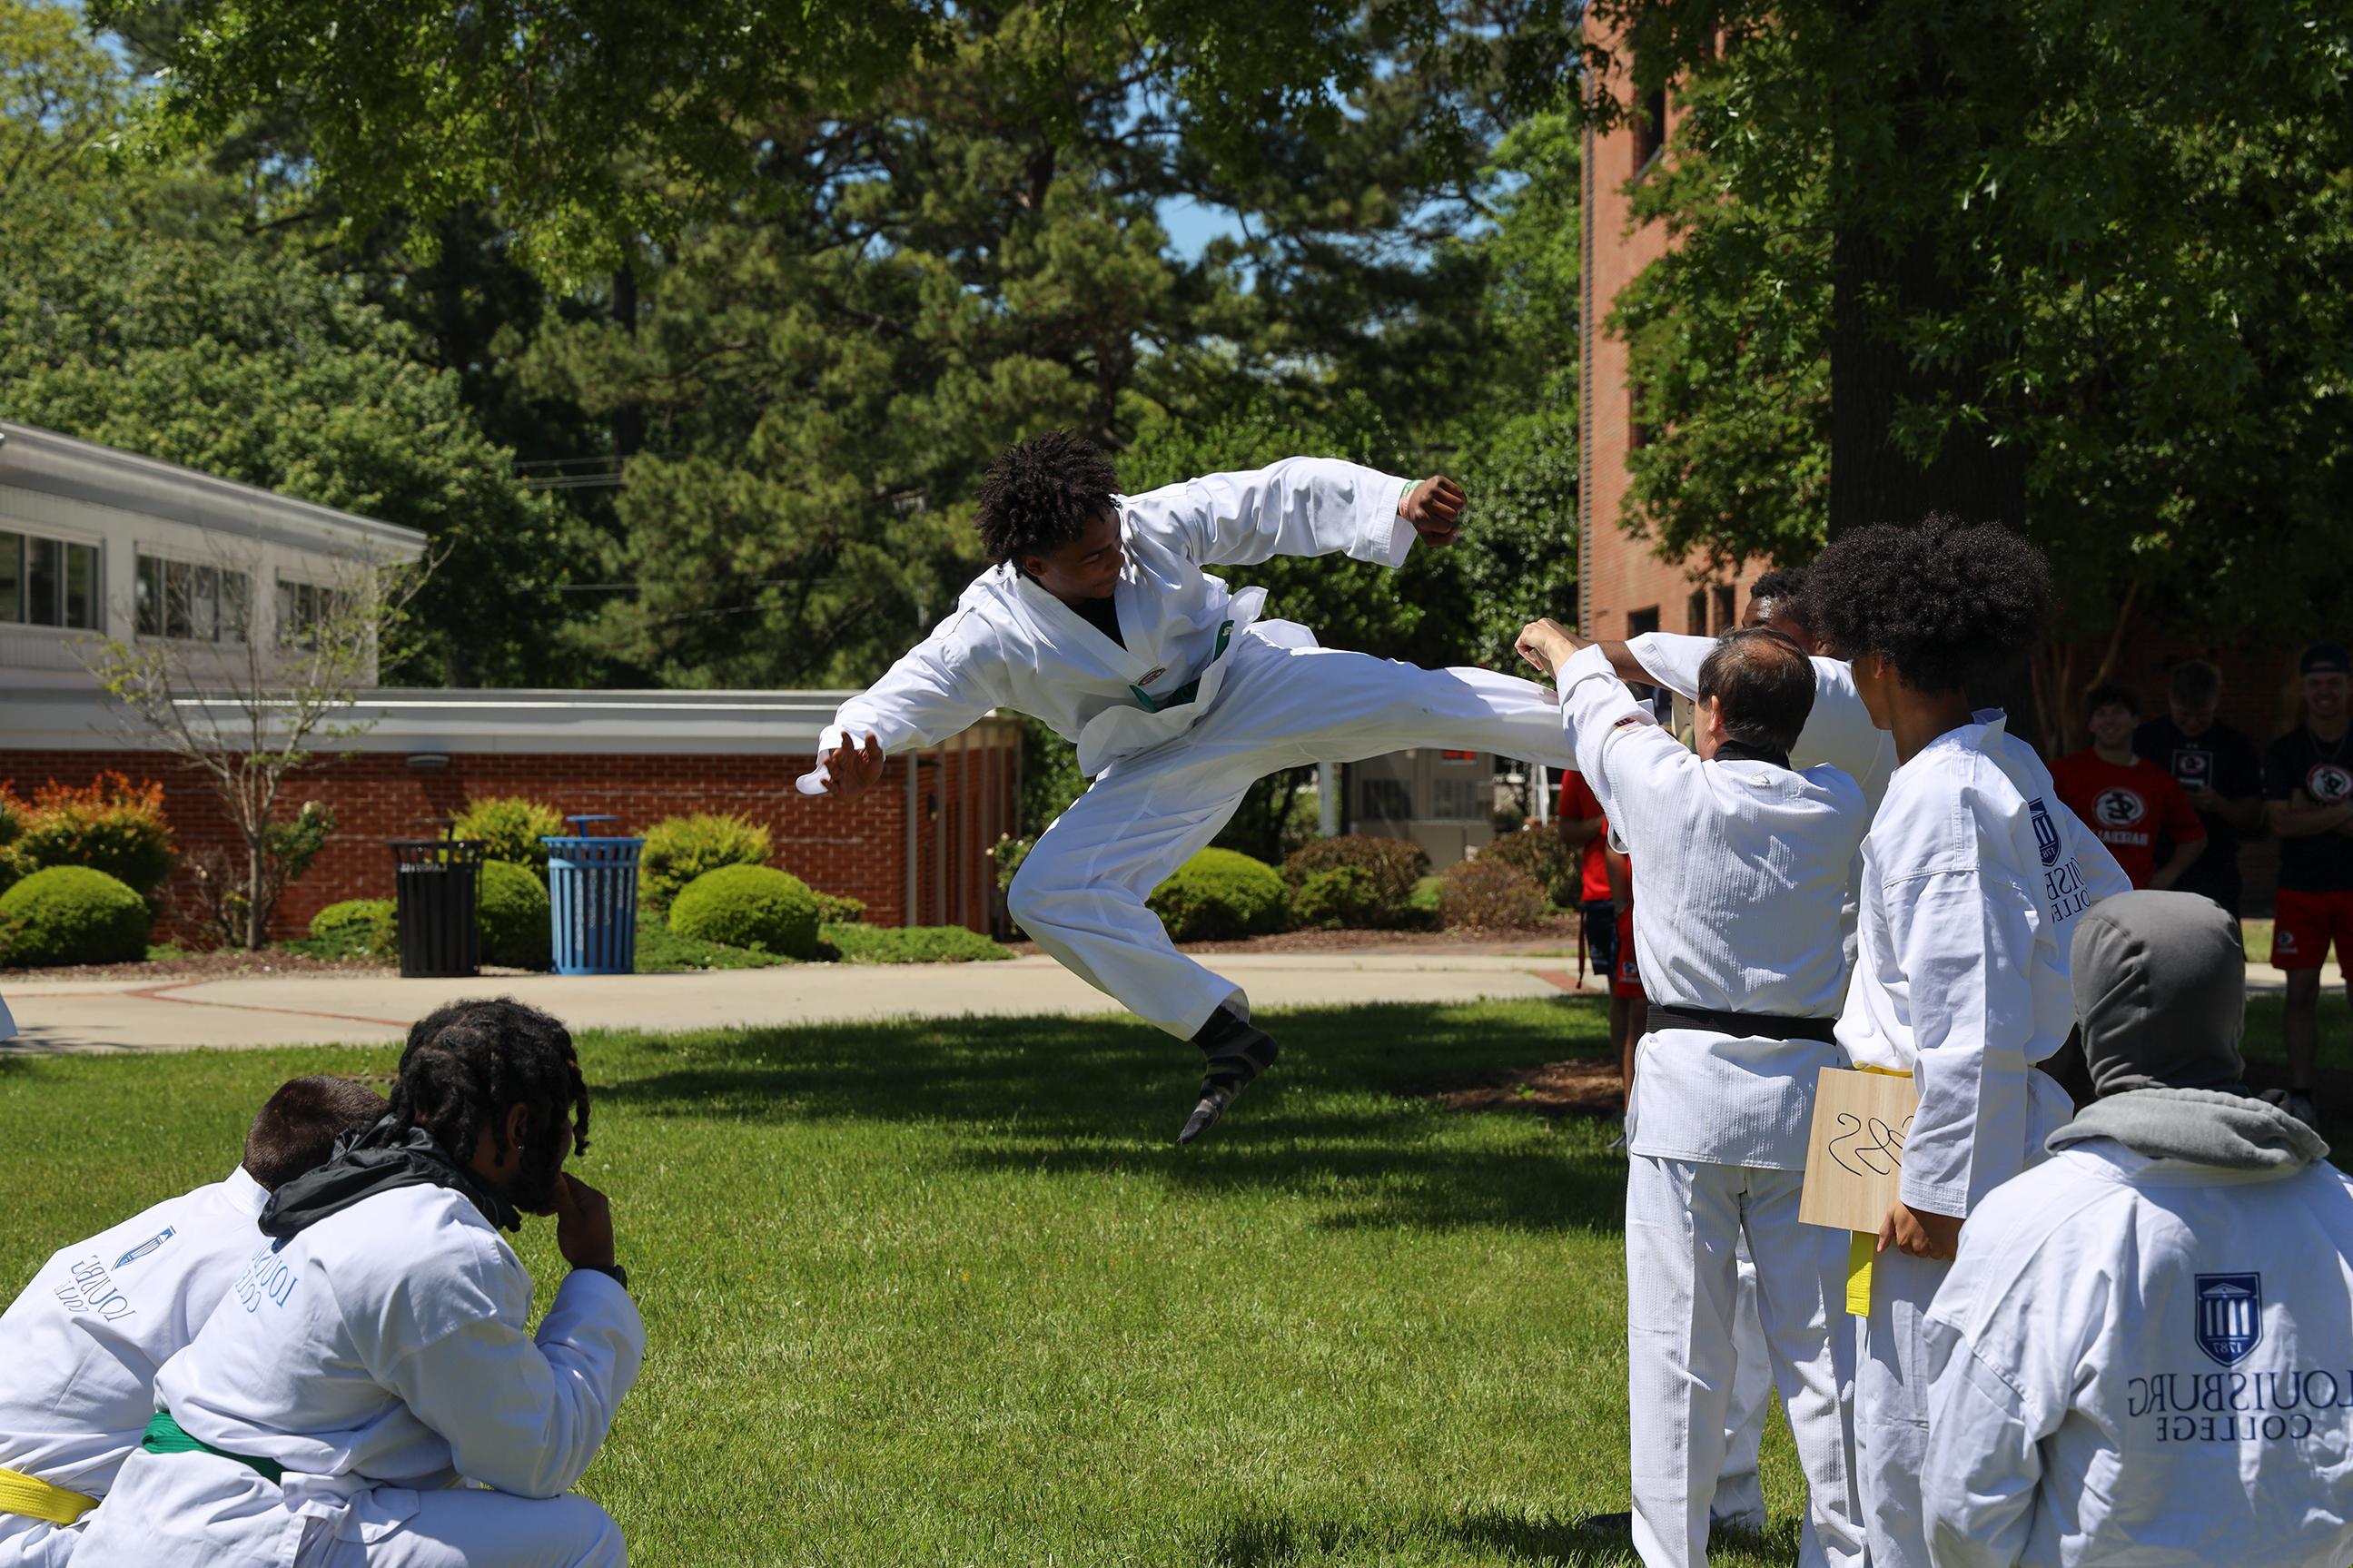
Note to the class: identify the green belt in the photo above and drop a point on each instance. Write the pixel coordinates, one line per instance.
(165, 1436)
(1191, 688)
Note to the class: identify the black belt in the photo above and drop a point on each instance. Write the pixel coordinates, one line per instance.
(1746, 1025)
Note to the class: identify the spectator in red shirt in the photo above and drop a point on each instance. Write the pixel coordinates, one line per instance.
(1608, 916)
(2127, 799)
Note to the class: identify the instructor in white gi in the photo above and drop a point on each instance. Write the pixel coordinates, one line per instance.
(1973, 875)
(1744, 866)
(1100, 621)
(2143, 1355)
(79, 1347)
(373, 1356)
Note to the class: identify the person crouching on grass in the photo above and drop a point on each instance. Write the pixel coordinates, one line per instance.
(373, 1352)
(1744, 866)
(1101, 621)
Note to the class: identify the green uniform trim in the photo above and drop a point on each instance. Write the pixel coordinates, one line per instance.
(1191, 688)
(165, 1436)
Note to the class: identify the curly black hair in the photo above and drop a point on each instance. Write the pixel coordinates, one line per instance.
(466, 1063)
(1783, 590)
(1952, 604)
(1039, 494)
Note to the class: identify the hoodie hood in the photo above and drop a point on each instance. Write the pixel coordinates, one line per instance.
(386, 1156)
(2203, 1126)
(2160, 983)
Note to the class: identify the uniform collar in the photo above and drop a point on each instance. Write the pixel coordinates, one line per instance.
(246, 1194)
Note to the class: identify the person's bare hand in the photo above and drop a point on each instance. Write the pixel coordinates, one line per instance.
(1919, 1234)
(1546, 644)
(584, 1224)
(851, 771)
(1435, 508)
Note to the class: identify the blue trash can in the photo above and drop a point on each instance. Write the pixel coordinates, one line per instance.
(592, 888)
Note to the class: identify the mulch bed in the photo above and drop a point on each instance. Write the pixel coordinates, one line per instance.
(1558, 935)
(1588, 1087)
(227, 964)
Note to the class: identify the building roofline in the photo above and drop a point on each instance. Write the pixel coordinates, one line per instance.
(51, 463)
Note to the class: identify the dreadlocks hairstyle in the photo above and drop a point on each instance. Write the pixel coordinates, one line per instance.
(1953, 604)
(296, 1127)
(1039, 495)
(469, 1061)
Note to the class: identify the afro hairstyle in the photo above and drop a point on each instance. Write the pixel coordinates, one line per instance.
(1039, 494)
(1953, 604)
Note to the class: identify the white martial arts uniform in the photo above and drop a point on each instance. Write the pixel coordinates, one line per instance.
(1973, 875)
(2146, 1363)
(379, 1355)
(78, 1349)
(1743, 868)
(1169, 768)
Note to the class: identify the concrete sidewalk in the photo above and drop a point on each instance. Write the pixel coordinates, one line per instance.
(60, 1015)
(70, 1015)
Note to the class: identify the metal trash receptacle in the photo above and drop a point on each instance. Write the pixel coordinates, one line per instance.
(436, 887)
(592, 891)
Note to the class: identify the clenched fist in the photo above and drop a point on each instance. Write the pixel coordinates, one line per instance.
(1434, 507)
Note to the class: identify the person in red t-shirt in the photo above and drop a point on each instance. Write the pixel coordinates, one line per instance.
(2125, 799)
(1606, 906)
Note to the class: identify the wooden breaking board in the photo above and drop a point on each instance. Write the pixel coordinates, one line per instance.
(1855, 1157)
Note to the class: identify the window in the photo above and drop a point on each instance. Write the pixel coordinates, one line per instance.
(302, 606)
(1640, 621)
(48, 582)
(1649, 128)
(199, 603)
(1696, 617)
(1724, 618)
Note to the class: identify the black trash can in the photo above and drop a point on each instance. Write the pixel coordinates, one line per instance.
(438, 881)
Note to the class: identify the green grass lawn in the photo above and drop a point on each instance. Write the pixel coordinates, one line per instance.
(948, 1294)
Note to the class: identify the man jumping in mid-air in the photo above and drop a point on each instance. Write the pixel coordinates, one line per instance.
(1099, 621)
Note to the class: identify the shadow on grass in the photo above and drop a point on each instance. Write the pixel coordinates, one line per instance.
(1086, 1097)
(1281, 1539)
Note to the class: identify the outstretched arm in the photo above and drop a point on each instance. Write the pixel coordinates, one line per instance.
(1300, 506)
(938, 688)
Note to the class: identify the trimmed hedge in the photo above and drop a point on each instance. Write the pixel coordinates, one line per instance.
(511, 827)
(837, 910)
(756, 907)
(911, 944)
(1383, 899)
(511, 914)
(1489, 895)
(1221, 895)
(1345, 897)
(1545, 857)
(681, 849)
(357, 928)
(112, 826)
(71, 914)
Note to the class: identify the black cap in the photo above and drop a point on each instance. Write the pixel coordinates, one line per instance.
(2322, 657)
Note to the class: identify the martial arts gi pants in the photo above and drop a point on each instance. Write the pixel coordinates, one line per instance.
(1081, 892)
(1682, 1219)
(1740, 1487)
(36, 1543)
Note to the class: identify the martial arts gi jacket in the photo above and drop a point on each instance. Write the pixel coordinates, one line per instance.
(380, 1355)
(1973, 875)
(2147, 1362)
(1197, 699)
(1744, 866)
(79, 1347)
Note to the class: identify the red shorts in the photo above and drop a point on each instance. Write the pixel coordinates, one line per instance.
(2304, 924)
(1625, 979)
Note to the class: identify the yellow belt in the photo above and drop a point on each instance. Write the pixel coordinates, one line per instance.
(36, 1499)
(1863, 1246)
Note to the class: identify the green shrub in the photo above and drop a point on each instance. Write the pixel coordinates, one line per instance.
(72, 914)
(511, 912)
(678, 849)
(356, 928)
(112, 826)
(911, 944)
(1009, 853)
(1489, 895)
(511, 827)
(1342, 899)
(1545, 857)
(1427, 895)
(1221, 895)
(834, 910)
(661, 951)
(1390, 865)
(756, 907)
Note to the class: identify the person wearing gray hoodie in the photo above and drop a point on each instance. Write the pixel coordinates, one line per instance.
(2144, 1352)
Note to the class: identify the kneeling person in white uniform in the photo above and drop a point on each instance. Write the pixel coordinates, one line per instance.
(78, 1349)
(2144, 1354)
(372, 1354)
(1100, 621)
(1743, 865)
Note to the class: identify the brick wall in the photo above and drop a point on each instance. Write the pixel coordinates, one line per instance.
(966, 797)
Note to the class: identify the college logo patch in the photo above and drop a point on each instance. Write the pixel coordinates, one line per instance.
(2118, 807)
(2046, 832)
(2329, 784)
(144, 1248)
(2230, 1316)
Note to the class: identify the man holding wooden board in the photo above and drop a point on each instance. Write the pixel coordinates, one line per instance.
(1745, 866)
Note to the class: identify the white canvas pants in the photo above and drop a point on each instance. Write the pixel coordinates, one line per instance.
(1739, 1489)
(1683, 1220)
(1081, 893)
(36, 1543)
